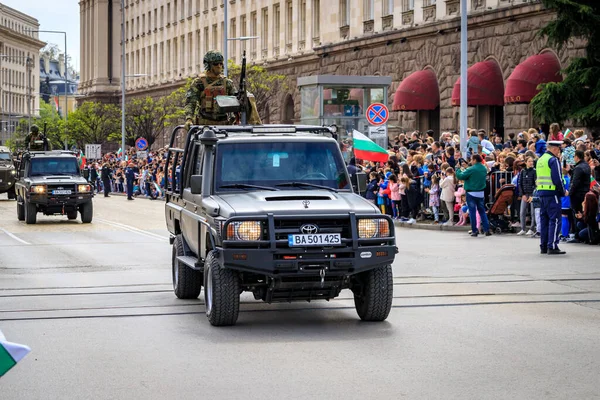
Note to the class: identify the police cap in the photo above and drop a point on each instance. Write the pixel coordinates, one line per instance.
(555, 143)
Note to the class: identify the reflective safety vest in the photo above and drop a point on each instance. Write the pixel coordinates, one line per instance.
(544, 173)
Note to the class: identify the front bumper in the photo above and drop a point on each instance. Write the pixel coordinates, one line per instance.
(275, 258)
(51, 204)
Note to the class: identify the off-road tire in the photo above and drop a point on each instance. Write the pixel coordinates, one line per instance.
(72, 215)
(373, 301)
(11, 194)
(187, 282)
(224, 287)
(87, 212)
(30, 213)
(20, 212)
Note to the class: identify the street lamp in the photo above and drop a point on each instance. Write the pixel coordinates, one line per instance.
(225, 38)
(463, 78)
(123, 76)
(66, 73)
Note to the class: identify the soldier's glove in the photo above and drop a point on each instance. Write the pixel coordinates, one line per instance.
(188, 123)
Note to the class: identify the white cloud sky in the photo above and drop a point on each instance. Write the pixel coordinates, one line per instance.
(55, 15)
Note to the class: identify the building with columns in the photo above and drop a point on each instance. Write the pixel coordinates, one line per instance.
(19, 77)
(415, 42)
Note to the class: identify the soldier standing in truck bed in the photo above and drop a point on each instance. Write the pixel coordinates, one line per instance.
(200, 100)
(35, 141)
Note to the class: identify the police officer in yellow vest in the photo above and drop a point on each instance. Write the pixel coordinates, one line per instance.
(550, 190)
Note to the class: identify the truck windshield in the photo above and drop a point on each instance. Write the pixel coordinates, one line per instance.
(54, 166)
(4, 156)
(275, 163)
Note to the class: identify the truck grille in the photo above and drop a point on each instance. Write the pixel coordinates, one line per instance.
(284, 227)
(52, 188)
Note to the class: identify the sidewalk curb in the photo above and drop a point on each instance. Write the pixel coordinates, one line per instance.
(431, 227)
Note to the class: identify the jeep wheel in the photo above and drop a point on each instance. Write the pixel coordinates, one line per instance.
(11, 194)
(221, 292)
(87, 212)
(20, 212)
(374, 295)
(187, 282)
(30, 212)
(72, 214)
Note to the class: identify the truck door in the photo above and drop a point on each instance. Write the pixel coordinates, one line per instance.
(191, 212)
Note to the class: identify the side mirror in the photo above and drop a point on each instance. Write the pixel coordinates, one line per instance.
(196, 184)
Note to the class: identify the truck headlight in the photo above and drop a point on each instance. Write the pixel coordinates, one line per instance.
(245, 230)
(373, 228)
(84, 188)
(13, 171)
(38, 189)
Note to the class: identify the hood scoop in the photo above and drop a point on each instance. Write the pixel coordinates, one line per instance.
(300, 198)
(58, 177)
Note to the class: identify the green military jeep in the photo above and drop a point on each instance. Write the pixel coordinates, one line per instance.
(8, 173)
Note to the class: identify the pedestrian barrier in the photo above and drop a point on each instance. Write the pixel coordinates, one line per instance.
(497, 180)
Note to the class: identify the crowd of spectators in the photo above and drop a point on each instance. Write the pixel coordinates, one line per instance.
(425, 178)
(109, 174)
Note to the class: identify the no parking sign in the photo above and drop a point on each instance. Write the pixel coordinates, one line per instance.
(377, 114)
(141, 144)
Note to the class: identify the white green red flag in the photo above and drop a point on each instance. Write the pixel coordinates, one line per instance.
(366, 149)
(10, 354)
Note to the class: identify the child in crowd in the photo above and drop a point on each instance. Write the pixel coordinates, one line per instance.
(372, 188)
(383, 196)
(448, 186)
(537, 204)
(394, 186)
(473, 143)
(434, 198)
(403, 187)
(463, 211)
(568, 219)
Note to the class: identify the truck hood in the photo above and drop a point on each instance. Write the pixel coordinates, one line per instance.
(57, 179)
(290, 202)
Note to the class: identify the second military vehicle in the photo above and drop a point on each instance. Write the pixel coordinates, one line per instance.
(8, 173)
(270, 210)
(50, 183)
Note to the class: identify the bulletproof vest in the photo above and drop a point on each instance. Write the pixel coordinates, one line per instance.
(211, 91)
(36, 143)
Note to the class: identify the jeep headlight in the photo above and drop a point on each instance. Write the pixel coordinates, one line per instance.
(373, 228)
(244, 230)
(84, 188)
(38, 189)
(13, 171)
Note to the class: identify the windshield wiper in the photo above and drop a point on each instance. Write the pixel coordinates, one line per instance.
(246, 186)
(304, 184)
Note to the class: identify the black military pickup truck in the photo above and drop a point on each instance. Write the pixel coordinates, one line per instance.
(49, 182)
(270, 210)
(8, 173)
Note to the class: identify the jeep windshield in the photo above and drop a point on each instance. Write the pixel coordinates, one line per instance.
(4, 156)
(54, 166)
(293, 165)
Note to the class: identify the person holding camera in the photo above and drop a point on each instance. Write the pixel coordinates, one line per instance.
(474, 184)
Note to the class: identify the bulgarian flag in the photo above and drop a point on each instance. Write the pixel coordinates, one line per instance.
(366, 149)
(82, 160)
(10, 354)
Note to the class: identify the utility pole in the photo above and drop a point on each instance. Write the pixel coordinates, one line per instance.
(464, 79)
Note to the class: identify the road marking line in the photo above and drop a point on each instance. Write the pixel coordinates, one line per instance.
(136, 229)
(18, 239)
(132, 229)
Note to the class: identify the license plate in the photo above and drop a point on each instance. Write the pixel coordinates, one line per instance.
(61, 192)
(318, 239)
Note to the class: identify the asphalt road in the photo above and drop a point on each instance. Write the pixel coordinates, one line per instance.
(473, 318)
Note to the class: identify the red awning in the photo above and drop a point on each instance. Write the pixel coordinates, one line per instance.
(522, 84)
(485, 85)
(419, 91)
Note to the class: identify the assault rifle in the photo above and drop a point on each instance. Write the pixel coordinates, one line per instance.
(242, 93)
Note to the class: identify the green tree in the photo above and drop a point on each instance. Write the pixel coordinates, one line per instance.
(93, 122)
(149, 117)
(577, 97)
(260, 82)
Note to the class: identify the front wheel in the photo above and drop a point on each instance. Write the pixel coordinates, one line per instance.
(87, 212)
(72, 215)
(374, 294)
(11, 194)
(30, 213)
(187, 282)
(20, 212)
(221, 292)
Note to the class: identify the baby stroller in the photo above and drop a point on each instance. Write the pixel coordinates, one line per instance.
(504, 198)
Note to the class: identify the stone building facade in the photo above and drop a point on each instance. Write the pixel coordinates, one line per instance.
(166, 39)
(19, 79)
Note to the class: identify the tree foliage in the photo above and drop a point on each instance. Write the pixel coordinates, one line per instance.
(260, 82)
(149, 117)
(577, 97)
(93, 122)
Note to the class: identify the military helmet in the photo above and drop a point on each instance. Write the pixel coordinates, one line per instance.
(212, 57)
(35, 129)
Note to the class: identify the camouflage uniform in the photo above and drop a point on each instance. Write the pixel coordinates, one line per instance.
(200, 100)
(33, 137)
